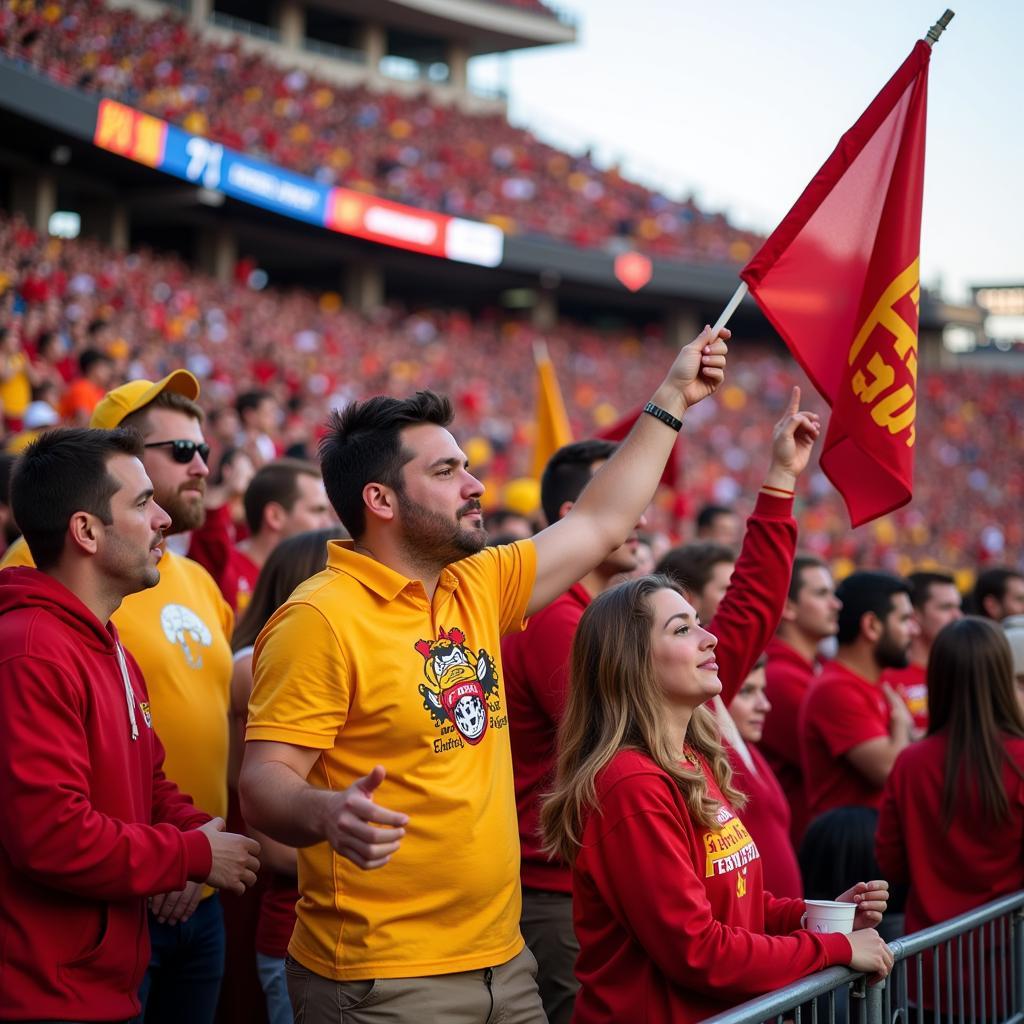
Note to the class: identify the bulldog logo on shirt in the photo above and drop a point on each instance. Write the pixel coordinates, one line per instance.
(458, 683)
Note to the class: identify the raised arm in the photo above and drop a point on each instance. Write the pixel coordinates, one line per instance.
(752, 606)
(613, 501)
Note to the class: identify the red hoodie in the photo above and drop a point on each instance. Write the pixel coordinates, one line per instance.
(89, 825)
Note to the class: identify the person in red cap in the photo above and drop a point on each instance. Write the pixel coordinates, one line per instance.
(180, 633)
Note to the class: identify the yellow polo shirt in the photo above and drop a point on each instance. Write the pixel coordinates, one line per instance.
(360, 665)
(180, 634)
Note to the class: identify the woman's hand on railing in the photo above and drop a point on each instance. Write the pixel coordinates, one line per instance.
(871, 898)
(871, 956)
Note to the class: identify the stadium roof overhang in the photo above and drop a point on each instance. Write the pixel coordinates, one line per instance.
(483, 26)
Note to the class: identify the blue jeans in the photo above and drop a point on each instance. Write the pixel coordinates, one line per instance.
(185, 968)
(274, 983)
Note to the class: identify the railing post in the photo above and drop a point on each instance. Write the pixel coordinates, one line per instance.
(875, 1013)
(1018, 960)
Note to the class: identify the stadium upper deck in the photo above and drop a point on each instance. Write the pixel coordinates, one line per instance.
(407, 148)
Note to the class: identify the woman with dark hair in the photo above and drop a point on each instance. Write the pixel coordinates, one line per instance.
(669, 905)
(292, 562)
(952, 817)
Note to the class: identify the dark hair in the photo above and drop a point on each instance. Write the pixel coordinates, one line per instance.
(796, 580)
(290, 563)
(363, 445)
(921, 584)
(250, 400)
(991, 583)
(838, 850)
(691, 565)
(863, 592)
(139, 420)
(89, 358)
(226, 459)
(277, 481)
(62, 472)
(972, 698)
(568, 471)
(709, 513)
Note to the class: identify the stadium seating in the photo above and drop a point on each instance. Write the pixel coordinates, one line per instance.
(411, 150)
(151, 313)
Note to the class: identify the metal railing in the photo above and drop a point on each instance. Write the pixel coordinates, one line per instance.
(970, 968)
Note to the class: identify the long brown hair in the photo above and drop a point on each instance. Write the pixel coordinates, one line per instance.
(972, 699)
(615, 703)
(292, 562)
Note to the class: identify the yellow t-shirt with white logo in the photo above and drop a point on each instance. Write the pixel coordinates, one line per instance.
(180, 634)
(360, 665)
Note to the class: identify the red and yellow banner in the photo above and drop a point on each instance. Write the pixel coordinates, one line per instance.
(839, 280)
(130, 133)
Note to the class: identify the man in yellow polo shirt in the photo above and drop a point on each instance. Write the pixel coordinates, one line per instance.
(381, 679)
(179, 632)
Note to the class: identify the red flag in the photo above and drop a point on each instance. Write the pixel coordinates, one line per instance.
(838, 279)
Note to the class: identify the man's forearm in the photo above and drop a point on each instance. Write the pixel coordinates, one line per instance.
(277, 801)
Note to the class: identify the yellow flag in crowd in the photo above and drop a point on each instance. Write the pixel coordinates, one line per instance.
(552, 422)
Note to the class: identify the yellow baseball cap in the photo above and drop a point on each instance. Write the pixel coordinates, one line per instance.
(136, 394)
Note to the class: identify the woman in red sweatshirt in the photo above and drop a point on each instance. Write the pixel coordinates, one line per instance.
(669, 907)
(951, 822)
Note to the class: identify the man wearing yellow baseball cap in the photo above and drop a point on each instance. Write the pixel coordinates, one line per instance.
(179, 632)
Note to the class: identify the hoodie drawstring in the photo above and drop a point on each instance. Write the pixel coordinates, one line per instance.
(129, 693)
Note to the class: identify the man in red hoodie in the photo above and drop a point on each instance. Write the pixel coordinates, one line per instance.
(89, 825)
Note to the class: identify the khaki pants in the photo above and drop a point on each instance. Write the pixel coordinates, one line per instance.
(546, 925)
(506, 994)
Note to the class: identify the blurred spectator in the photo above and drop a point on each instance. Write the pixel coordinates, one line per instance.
(718, 525)
(936, 602)
(809, 616)
(998, 593)
(95, 374)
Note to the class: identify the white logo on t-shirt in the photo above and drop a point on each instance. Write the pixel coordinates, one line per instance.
(183, 627)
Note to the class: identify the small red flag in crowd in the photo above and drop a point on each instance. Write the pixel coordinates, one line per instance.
(839, 281)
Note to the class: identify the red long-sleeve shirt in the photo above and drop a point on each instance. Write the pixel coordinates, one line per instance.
(89, 824)
(673, 920)
(788, 677)
(536, 663)
(950, 872)
(766, 816)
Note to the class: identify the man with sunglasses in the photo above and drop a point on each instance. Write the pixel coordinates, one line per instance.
(179, 632)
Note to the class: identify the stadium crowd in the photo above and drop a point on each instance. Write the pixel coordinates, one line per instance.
(409, 149)
(71, 303)
(613, 716)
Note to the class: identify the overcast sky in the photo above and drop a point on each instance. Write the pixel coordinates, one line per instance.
(740, 102)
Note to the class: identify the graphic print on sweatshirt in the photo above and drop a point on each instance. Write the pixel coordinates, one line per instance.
(183, 628)
(460, 690)
(730, 848)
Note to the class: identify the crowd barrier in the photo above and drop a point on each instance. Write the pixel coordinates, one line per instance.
(978, 976)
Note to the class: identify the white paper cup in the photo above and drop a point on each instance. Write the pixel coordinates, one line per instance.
(829, 916)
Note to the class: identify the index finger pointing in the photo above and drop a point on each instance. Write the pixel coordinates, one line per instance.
(367, 810)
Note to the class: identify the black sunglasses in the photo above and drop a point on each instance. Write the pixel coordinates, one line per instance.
(183, 451)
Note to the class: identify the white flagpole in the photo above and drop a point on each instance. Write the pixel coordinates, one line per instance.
(737, 298)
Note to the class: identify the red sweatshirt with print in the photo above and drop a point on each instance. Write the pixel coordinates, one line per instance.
(673, 920)
(536, 664)
(89, 824)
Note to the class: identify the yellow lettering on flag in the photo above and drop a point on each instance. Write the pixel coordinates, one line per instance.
(893, 408)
